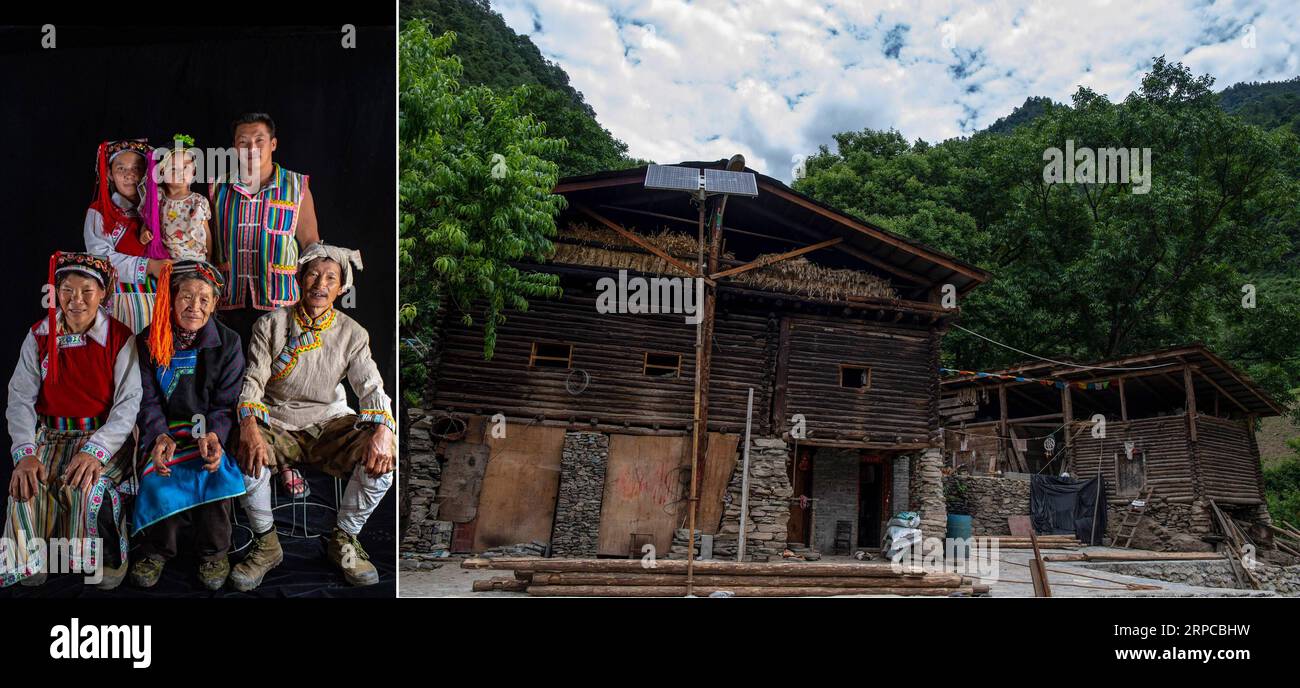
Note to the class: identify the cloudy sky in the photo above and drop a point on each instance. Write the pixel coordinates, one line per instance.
(773, 79)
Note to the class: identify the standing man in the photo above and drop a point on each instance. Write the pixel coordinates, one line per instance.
(259, 222)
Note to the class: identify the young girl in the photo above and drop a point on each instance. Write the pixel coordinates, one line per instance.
(180, 223)
(113, 228)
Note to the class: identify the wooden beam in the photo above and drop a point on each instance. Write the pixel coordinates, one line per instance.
(1222, 391)
(769, 260)
(566, 187)
(1012, 387)
(639, 241)
(847, 248)
(1190, 392)
(878, 234)
(691, 222)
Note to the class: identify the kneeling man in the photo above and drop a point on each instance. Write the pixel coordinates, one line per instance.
(293, 412)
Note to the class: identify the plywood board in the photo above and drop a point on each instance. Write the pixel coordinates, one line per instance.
(517, 503)
(462, 479)
(643, 492)
(721, 461)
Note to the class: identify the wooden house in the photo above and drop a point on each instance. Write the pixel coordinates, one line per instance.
(577, 432)
(1178, 422)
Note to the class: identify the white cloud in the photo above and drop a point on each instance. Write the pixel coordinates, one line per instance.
(773, 79)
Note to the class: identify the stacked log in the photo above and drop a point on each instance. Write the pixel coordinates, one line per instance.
(1134, 555)
(1044, 542)
(629, 578)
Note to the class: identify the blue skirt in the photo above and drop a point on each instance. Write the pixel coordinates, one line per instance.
(188, 486)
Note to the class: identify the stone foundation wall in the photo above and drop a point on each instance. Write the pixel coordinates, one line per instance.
(989, 501)
(927, 496)
(423, 475)
(1214, 574)
(769, 505)
(582, 487)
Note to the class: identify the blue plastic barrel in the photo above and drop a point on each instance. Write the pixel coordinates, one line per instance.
(959, 526)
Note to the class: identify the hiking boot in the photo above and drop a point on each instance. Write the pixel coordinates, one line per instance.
(113, 577)
(345, 551)
(213, 574)
(146, 572)
(264, 555)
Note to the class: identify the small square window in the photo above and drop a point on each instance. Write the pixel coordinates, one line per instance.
(547, 355)
(855, 377)
(663, 365)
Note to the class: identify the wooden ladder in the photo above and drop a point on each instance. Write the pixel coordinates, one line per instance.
(1131, 520)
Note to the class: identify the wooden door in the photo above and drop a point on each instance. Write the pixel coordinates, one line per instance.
(643, 492)
(520, 485)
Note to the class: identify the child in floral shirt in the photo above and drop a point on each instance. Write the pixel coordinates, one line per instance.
(182, 213)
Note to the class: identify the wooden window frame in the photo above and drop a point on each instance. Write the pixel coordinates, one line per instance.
(646, 365)
(533, 358)
(863, 388)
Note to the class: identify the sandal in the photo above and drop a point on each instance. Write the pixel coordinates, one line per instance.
(293, 485)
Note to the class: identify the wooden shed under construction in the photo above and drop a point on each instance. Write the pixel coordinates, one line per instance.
(577, 433)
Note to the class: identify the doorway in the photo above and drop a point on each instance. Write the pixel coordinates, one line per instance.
(873, 497)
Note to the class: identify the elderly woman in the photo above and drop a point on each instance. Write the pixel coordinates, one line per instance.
(191, 371)
(73, 399)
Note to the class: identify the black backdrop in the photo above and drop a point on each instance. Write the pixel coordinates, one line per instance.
(335, 113)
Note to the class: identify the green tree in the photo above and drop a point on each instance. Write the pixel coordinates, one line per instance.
(493, 55)
(1096, 270)
(475, 187)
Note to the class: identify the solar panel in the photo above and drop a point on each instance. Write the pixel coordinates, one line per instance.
(735, 183)
(672, 178)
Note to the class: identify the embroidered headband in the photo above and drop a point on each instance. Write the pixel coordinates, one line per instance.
(89, 264)
(161, 345)
(346, 258)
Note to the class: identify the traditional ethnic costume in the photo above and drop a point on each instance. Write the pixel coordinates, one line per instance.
(182, 221)
(71, 393)
(255, 247)
(293, 389)
(187, 375)
(112, 228)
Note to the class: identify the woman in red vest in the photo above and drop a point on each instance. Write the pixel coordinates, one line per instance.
(73, 400)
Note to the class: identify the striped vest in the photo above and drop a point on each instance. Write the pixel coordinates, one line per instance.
(254, 242)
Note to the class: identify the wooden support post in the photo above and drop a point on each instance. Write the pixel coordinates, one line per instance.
(1190, 393)
(1002, 420)
(1067, 411)
(1123, 401)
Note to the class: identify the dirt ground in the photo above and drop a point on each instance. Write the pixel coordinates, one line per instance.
(1012, 580)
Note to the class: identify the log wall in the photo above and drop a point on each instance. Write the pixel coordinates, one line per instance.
(1230, 464)
(1164, 441)
(609, 348)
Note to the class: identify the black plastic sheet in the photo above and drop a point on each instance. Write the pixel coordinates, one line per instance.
(1066, 506)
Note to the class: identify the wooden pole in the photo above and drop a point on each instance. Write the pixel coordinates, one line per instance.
(1067, 410)
(744, 477)
(1123, 402)
(696, 432)
(1002, 422)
